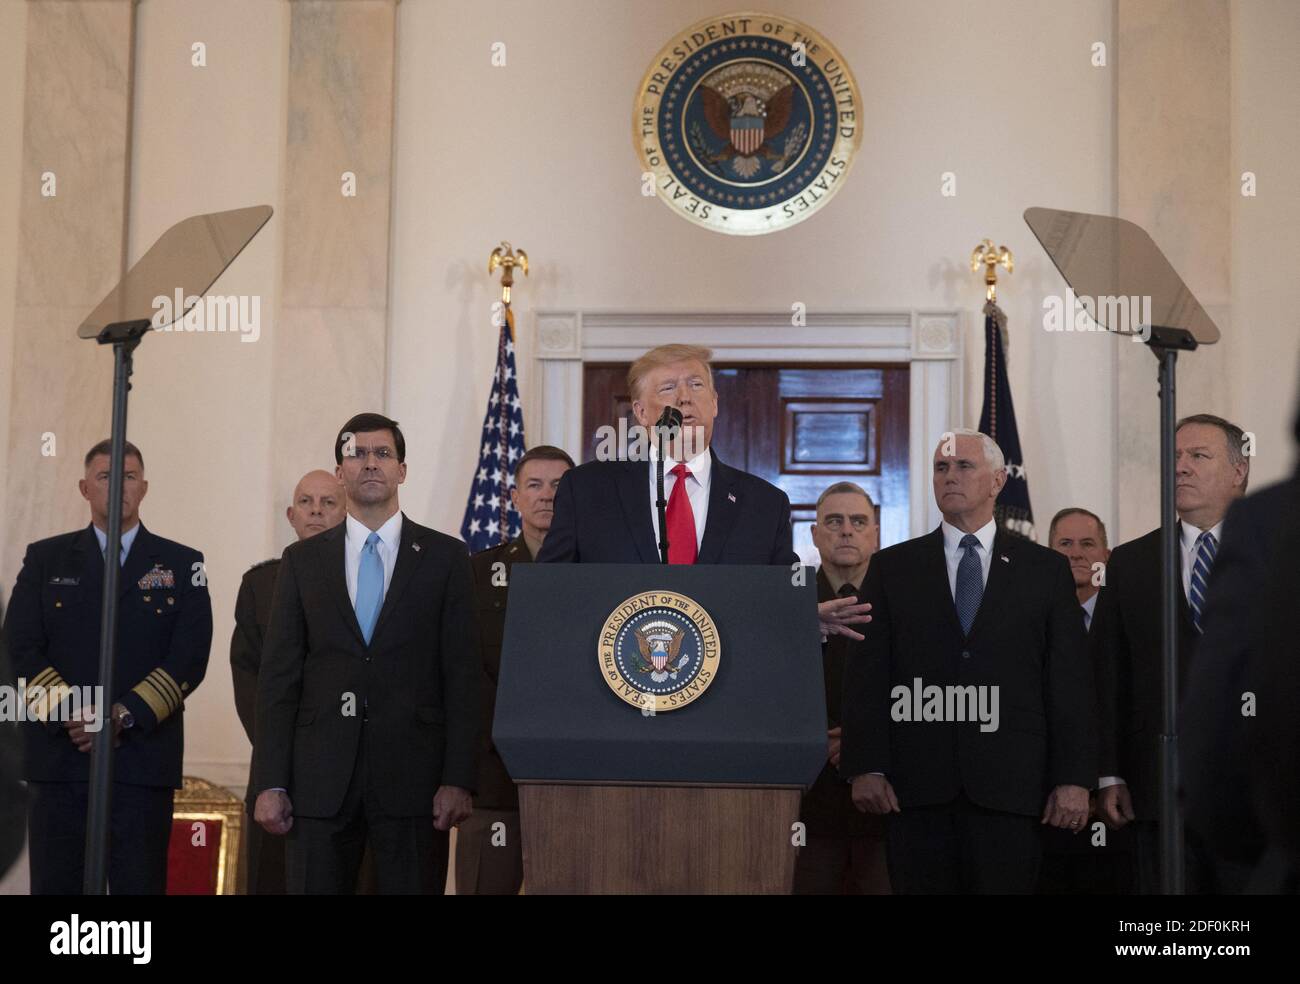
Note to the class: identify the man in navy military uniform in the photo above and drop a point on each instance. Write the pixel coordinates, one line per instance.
(52, 629)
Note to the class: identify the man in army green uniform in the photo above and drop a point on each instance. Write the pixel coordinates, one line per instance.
(489, 853)
(318, 504)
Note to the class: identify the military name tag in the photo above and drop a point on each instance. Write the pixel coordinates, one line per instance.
(659, 651)
(748, 122)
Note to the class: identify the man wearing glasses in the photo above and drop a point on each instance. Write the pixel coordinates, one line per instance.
(368, 701)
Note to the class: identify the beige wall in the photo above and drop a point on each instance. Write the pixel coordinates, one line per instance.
(539, 152)
(1264, 326)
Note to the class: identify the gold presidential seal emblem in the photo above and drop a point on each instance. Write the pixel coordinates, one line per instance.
(658, 651)
(747, 123)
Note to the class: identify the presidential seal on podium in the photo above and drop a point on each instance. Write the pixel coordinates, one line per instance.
(747, 123)
(658, 651)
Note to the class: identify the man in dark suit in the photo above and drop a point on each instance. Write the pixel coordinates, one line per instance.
(489, 849)
(164, 632)
(1211, 472)
(844, 853)
(1238, 723)
(318, 505)
(368, 699)
(1096, 862)
(715, 514)
(977, 640)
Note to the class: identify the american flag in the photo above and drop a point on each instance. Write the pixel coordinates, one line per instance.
(490, 519)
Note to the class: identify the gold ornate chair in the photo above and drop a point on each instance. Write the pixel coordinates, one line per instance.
(207, 830)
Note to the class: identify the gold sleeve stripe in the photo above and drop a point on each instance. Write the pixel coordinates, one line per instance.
(149, 693)
(44, 677)
(50, 689)
(166, 683)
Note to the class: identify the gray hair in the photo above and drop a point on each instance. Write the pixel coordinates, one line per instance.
(992, 453)
(844, 488)
(1232, 434)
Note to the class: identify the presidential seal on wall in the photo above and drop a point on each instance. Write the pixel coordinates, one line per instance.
(658, 651)
(747, 123)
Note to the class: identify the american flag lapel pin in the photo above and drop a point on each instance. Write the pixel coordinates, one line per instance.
(1005, 558)
(731, 496)
(416, 548)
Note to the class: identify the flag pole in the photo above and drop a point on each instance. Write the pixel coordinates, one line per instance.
(998, 416)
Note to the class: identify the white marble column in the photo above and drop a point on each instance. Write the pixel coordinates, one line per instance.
(331, 341)
(72, 225)
(1173, 147)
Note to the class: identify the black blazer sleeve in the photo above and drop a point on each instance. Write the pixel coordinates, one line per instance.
(245, 656)
(1109, 653)
(1071, 689)
(462, 669)
(279, 682)
(783, 539)
(561, 543)
(1216, 746)
(865, 707)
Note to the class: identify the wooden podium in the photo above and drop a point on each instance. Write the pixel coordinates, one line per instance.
(700, 799)
(600, 840)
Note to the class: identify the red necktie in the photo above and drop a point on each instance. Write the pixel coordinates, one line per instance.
(681, 521)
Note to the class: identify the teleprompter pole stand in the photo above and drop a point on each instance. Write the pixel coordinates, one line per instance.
(124, 336)
(1165, 344)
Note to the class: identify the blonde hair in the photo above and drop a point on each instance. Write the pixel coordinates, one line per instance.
(666, 355)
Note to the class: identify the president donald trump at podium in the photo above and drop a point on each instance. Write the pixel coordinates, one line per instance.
(605, 510)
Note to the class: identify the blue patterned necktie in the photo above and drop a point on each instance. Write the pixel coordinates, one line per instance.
(370, 587)
(970, 582)
(1202, 563)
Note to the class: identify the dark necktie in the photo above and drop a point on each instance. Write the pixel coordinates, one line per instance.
(970, 582)
(1202, 563)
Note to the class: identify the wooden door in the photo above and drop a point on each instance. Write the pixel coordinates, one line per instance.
(801, 428)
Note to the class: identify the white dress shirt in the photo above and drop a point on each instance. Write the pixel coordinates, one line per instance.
(128, 538)
(1189, 534)
(952, 551)
(390, 538)
(697, 490)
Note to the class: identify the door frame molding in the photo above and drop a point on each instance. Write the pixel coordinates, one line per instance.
(929, 343)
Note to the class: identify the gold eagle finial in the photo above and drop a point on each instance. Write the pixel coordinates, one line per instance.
(990, 257)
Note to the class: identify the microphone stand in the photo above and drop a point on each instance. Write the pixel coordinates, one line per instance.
(661, 503)
(668, 425)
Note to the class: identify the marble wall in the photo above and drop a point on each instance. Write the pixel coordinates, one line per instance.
(70, 250)
(331, 339)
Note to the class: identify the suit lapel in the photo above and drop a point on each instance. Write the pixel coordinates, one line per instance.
(634, 493)
(999, 582)
(1184, 609)
(935, 574)
(86, 554)
(409, 555)
(333, 543)
(139, 561)
(724, 503)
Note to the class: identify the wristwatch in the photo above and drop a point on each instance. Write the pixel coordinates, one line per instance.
(125, 718)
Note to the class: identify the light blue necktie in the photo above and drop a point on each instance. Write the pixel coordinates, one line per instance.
(1206, 547)
(970, 582)
(370, 587)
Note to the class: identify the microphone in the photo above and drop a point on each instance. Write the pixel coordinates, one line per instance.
(670, 420)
